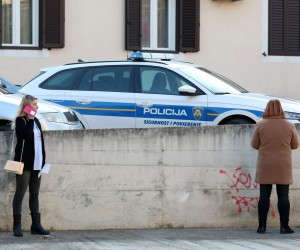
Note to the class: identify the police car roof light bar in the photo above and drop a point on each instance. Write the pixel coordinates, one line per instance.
(137, 55)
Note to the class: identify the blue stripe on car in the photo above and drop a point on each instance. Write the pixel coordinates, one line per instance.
(172, 112)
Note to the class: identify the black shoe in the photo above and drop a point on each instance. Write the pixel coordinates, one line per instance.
(18, 231)
(261, 229)
(17, 226)
(286, 230)
(262, 225)
(36, 227)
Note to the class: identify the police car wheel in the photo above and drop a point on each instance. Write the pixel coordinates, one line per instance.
(239, 121)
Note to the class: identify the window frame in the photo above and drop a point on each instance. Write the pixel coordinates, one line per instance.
(16, 32)
(187, 22)
(154, 27)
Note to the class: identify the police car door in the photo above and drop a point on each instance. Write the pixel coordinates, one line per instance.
(104, 97)
(159, 104)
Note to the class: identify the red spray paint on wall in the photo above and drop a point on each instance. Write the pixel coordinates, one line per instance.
(240, 180)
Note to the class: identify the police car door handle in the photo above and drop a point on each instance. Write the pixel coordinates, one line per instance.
(83, 101)
(144, 104)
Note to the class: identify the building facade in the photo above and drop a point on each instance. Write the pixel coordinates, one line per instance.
(255, 43)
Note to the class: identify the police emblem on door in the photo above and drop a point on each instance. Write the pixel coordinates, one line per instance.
(197, 112)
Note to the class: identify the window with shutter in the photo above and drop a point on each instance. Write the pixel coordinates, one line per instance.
(31, 24)
(162, 25)
(53, 24)
(284, 27)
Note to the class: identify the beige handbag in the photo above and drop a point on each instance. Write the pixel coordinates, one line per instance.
(14, 167)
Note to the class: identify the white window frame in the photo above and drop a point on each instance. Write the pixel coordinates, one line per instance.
(153, 26)
(16, 29)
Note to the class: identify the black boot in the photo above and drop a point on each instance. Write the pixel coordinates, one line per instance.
(262, 227)
(263, 208)
(17, 225)
(284, 228)
(36, 227)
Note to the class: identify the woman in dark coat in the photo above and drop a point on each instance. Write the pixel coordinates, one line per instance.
(274, 137)
(30, 150)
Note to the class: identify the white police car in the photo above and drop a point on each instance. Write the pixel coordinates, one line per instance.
(139, 93)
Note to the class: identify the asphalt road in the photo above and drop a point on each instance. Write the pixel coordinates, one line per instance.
(212, 238)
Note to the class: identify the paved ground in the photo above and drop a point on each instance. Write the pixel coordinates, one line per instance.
(218, 238)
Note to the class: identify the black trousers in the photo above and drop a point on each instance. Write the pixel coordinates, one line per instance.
(283, 202)
(28, 178)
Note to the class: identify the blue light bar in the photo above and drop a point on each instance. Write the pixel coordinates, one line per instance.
(143, 55)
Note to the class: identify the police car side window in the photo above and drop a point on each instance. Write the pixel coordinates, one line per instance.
(155, 80)
(85, 83)
(106, 79)
(63, 80)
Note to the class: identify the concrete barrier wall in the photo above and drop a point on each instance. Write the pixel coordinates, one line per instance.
(147, 178)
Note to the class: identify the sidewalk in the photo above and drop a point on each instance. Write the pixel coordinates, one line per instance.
(212, 238)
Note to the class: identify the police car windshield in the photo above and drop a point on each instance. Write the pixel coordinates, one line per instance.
(214, 82)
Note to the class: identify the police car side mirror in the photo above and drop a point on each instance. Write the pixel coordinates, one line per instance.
(187, 90)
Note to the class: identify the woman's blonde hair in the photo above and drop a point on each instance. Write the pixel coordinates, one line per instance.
(26, 100)
(273, 108)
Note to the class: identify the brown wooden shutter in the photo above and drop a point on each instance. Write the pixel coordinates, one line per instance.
(293, 27)
(53, 24)
(188, 25)
(284, 27)
(133, 25)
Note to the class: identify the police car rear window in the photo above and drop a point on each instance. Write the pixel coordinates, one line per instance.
(63, 80)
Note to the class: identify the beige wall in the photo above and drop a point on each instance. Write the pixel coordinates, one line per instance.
(147, 178)
(233, 36)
